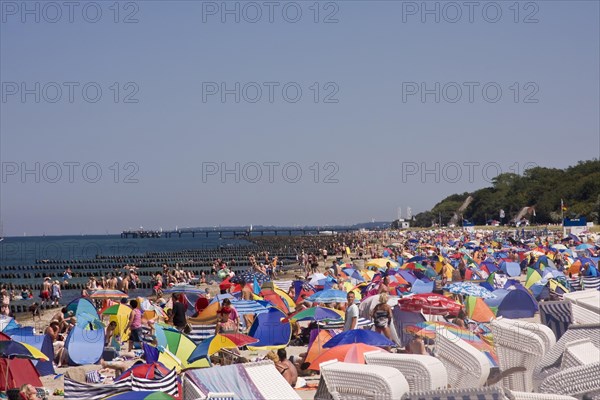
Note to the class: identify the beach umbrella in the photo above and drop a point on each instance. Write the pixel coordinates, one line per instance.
(141, 395)
(179, 347)
(275, 298)
(10, 349)
(416, 259)
(381, 263)
(317, 314)
(371, 338)
(352, 353)
(430, 303)
(328, 296)
(108, 294)
(584, 246)
(214, 344)
(250, 307)
(468, 289)
(120, 314)
(354, 274)
(185, 289)
(317, 279)
(249, 277)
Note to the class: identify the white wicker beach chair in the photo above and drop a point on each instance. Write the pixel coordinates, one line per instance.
(269, 381)
(485, 393)
(576, 381)
(347, 381)
(551, 362)
(517, 347)
(466, 366)
(579, 352)
(542, 331)
(582, 315)
(422, 372)
(589, 299)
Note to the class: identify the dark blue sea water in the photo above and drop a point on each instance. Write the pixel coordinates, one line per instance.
(26, 250)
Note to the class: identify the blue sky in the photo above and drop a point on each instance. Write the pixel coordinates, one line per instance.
(373, 135)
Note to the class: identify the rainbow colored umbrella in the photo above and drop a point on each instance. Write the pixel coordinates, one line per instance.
(213, 344)
(317, 314)
(10, 349)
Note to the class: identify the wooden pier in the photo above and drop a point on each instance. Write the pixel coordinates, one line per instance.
(231, 232)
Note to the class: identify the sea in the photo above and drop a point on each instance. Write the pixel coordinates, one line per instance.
(24, 252)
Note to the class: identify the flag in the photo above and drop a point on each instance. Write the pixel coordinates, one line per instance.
(534, 212)
(502, 215)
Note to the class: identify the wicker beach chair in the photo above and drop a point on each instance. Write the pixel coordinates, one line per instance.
(422, 372)
(517, 347)
(542, 331)
(556, 315)
(486, 393)
(583, 380)
(346, 381)
(579, 352)
(550, 363)
(582, 315)
(466, 366)
(269, 381)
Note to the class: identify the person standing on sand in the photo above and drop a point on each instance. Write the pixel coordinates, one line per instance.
(45, 292)
(351, 319)
(56, 293)
(135, 324)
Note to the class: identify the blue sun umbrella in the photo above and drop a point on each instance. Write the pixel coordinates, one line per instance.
(359, 336)
(329, 296)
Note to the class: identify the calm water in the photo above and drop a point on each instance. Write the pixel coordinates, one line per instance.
(26, 250)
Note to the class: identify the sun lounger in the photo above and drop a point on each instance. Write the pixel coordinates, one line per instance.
(575, 381)
(517, 347)
(346, 381)
(422, 372)
(466, 366)
(486, 393)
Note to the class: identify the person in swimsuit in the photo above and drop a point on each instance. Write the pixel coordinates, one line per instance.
(382, 316)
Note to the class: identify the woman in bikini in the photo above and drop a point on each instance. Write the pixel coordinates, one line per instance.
(382, 316)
